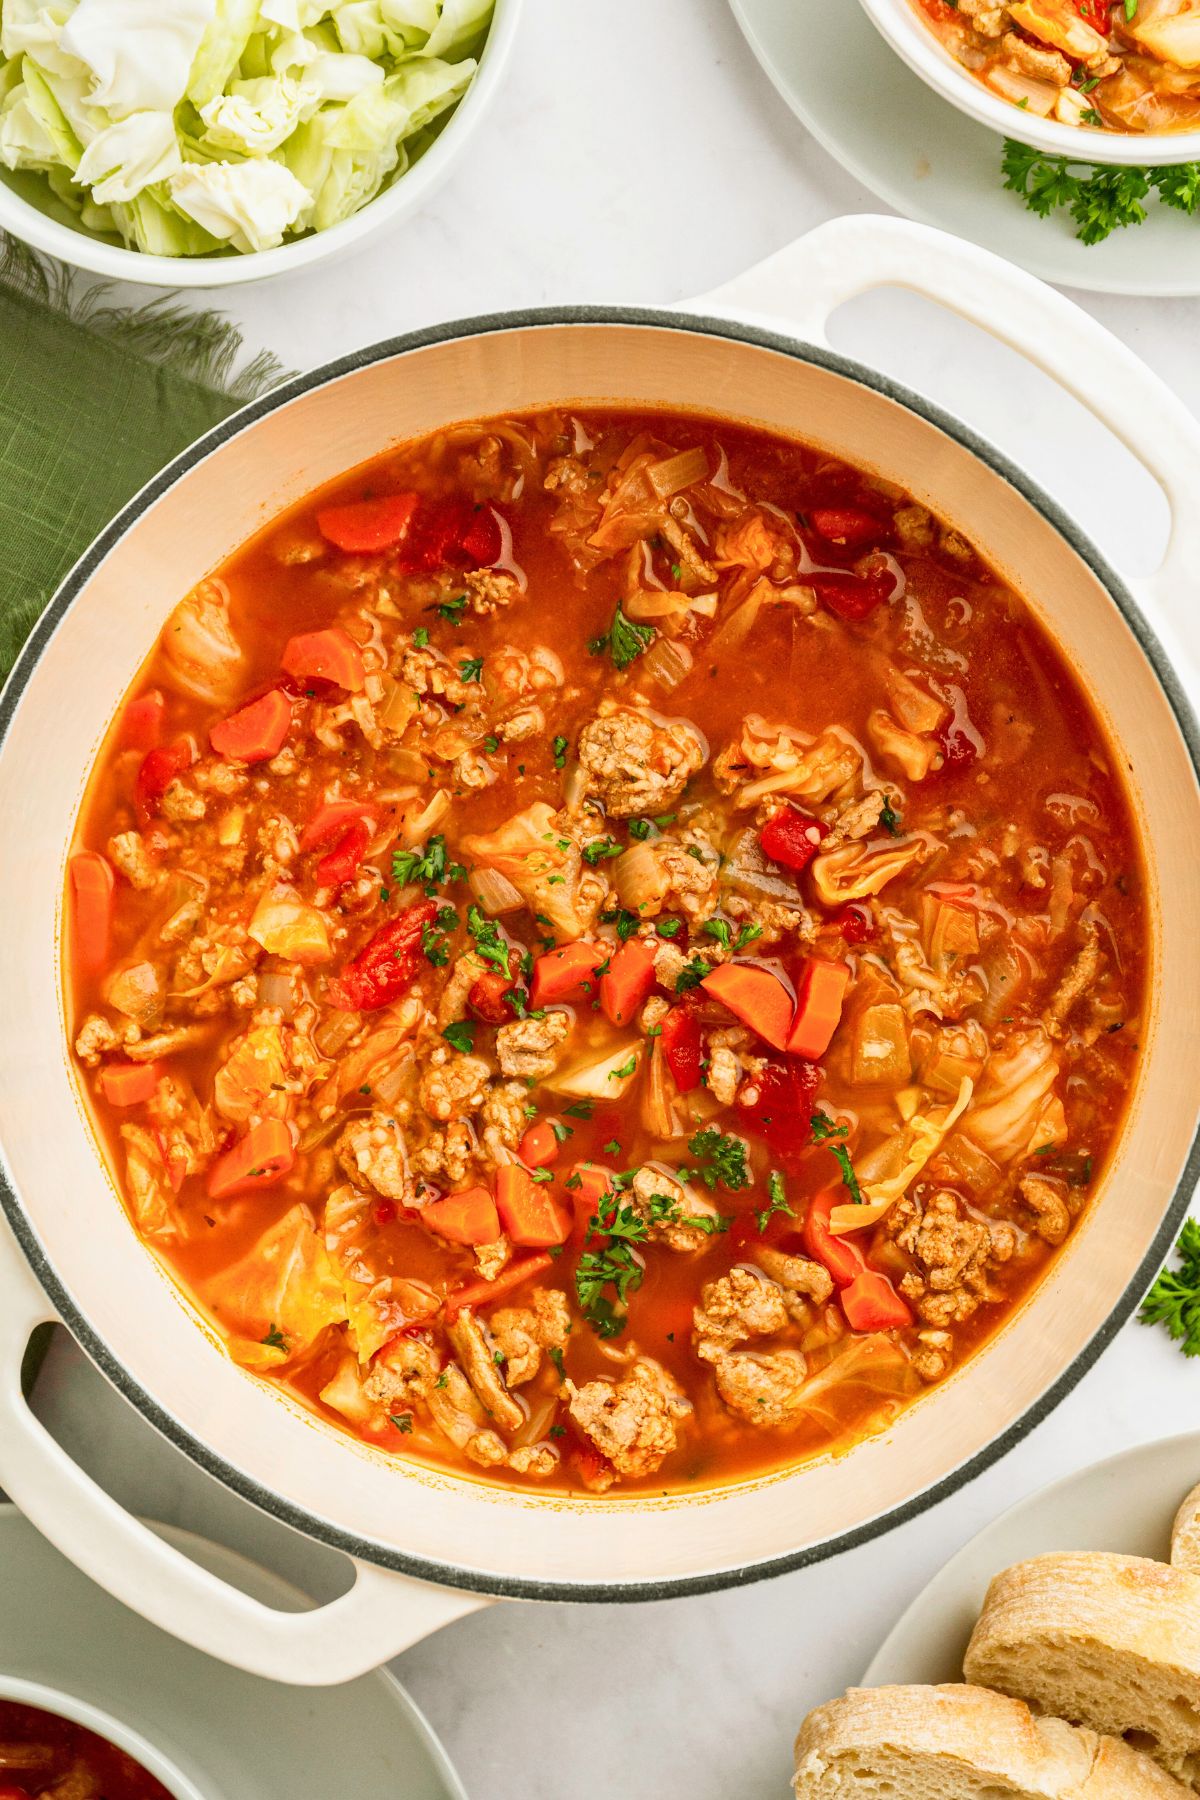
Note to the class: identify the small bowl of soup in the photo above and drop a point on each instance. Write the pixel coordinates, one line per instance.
(55, 1746)
(1101, 81)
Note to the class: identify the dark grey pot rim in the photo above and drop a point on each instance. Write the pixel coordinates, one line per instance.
(386, 1556)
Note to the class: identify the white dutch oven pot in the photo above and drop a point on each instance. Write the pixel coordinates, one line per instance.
(431, 1546)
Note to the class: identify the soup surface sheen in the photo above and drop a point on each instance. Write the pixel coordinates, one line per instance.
(54, 1759)
(1107, 65)
(606, 948)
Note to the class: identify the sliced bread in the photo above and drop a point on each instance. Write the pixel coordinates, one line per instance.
(1112, 1642)
(962, 1743)
(1185, 1534)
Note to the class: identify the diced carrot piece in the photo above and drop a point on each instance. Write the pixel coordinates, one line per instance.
(588, 1187)
(818, 1009)
(142, 721)
(258, 1160)
(628, 981)
(568, 973)
(871, 1303)
(843, 1259)
(755, 996)
(330, 655)
(469, 1217)
(528, 1211)
(330, 820)
(539, 1146)
(93, 885)
(128, 1084)
(255, 732)
(482, 1293)
(366, 525)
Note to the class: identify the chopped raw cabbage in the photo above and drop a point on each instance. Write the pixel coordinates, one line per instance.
(227, 124)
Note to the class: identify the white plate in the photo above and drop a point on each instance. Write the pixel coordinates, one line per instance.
(1125, 1504)
(239, 1738)
(927, 160)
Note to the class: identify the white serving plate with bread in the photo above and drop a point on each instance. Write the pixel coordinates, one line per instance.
(1082, 1606)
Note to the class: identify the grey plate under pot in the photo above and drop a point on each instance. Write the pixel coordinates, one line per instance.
(237, 1736)
(1124, 1504)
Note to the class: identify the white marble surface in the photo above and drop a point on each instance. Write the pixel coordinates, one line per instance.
(639, 155)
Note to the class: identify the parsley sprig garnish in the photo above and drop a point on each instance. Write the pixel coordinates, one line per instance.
(1174, 1300)
(625, 640)
(777, 1201)
(825, 1132)
(722, 1158)
(616, 1264)
(1100, 199)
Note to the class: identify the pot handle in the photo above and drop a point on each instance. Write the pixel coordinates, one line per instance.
(804, 283)
(382, 1614)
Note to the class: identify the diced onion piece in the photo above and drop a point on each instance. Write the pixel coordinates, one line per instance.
(880, 1055)
(737, 627)
(658, 1096)
(748, 871)
(676, 472)
(416, 829)
(667, 663)
(287, 926)
(397, 707)
(655, 603)
(639, 877)
(494, 892)
(137, 991)
(1032, 96)
(276, 991)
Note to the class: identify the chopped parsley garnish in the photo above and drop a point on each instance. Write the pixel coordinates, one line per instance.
(599, 850)
(669, 928)
(625, 921)
(470, 668)
(561, 1132)
(616, 1265)
(624, 640)
(777, 1201)
(1174, 1300)
(579, 1109)
(639, 829)
(889, 818)
(1099, 200)
(747, 935)
(557, 1431)
(612, 1148)
(421, 637)
(691, 975)
(402, 1421)
(625, 1069)
(556, 1357)
(275, 1339)
(450, 610)
(490, 946)
(491, 744)
(434, 941)
(825, 1132)
(460, 1035)
(722, 1159)
(428, 865)
(719, 929)
(443, 1380)
(560, 747)
(542, 1175)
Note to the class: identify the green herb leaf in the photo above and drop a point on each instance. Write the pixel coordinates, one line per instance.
(427, 865)
(722, 1159)
(599, 851)
(275, 1339)
(460, 1035)
(1174, 1300)
(420, 637)
(777, 1201)
(487, 939)
(470, 668)
(402, 1421)
(560, 747)
(626, 640)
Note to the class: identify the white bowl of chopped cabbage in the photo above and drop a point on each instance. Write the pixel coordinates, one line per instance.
(196, 143)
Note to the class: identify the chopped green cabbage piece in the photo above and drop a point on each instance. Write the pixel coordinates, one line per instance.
(205, 125)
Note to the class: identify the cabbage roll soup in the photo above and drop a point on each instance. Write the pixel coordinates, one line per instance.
(1114, 65)
(606, 949)
(51, 1758)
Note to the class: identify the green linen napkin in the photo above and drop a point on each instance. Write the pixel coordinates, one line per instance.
(94, 398)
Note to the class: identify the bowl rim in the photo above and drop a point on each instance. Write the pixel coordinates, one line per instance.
(898, 23)
(742, 1573)
(404, 195)
(61, 1703)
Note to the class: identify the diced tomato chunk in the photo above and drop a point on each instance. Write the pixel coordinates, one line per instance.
(330, 820)
(852, 597)
(567, 973)
(683, 1047)
(871, 1303)
(366, 525)
(791, 838)
(778, 1103)
(539, 1145)
(452, 533)
(341, 863)
(491, 995)
(844, 1260)
(818, 1008)
(628, 981)
(387, 965)
(855, 924)
(159, 769)
(850, 527)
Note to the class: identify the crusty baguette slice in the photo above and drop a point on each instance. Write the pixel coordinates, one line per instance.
(1185, 1534)
(962, 1743)
(1107, 1641)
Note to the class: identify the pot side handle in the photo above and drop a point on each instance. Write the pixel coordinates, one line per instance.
(802, 285)
(382, 1614)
